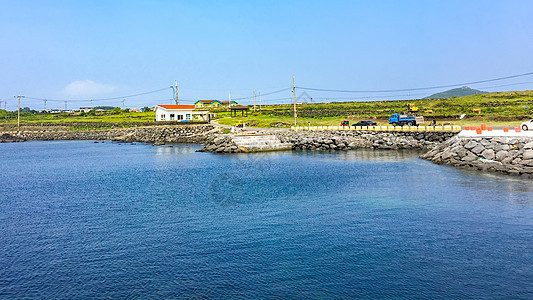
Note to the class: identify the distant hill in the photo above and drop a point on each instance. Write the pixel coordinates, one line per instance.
(458, 92)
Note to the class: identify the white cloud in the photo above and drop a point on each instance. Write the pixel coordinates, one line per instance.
(87, 88)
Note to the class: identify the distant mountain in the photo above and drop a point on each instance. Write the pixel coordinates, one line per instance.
(458, 92)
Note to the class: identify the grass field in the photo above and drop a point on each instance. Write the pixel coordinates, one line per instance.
(28, 118)
(496, 109)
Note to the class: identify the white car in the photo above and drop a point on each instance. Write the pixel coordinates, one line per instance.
(527, 125)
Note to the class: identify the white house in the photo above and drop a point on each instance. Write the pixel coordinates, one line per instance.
(174, 112)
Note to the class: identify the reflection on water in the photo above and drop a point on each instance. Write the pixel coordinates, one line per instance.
(175, 149)
(518, 190)
(365, 155)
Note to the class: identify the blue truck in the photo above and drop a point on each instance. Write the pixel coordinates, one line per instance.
(411, 120)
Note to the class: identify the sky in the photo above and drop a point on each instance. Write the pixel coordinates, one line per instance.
(110, 50)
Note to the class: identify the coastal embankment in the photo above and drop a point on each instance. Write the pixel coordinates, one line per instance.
(326, 140)
(158, 135)
(510, 155)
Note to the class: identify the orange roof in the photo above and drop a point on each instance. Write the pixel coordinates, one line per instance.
(175, 106)
(207, 101)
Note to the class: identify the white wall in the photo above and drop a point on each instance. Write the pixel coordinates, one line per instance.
(160, 112)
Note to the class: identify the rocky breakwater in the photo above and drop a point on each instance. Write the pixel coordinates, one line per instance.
(8, 138)
(513, 156)
(221, 144)
(157, 135)
(339, 140)
(160, 135)
(348, 140)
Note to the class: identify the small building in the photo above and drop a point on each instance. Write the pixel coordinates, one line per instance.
(229, 103)
(85, 109)
(135, 110)
(174, 112)
(214, 103)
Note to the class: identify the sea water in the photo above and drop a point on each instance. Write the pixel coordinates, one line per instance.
(104, 220)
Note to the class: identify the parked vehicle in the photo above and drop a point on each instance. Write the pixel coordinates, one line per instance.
(528, 125)
(411, 120)
(365, 123)
(345, 123)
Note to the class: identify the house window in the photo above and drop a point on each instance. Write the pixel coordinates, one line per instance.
(163, 117)
(171, 117)
(188, 116)
(180, 117)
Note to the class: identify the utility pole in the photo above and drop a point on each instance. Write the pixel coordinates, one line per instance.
(66, 104)
(44, 103)
(18, 112)
(176, 85)
(255, 98)
(294, 95)
(123, 103)
(175, 90)
(259, 101)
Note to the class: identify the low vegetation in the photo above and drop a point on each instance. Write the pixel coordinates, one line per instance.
(504, 108)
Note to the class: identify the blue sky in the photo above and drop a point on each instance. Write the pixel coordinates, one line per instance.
(75, 50)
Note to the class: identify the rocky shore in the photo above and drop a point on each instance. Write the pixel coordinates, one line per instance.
(513, 156)
(349, 140)
(9, 138)
(340, 140)
(157, 135)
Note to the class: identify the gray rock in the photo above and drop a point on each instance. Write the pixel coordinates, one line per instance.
(484, 142)
(528, 154)
(500, 155)
(501, 147)
(488, 154)
(478, 149)
(471, 144)
(469, 157)
(529, 145)
(527, 162)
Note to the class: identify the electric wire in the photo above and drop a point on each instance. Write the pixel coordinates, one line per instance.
(414, 89)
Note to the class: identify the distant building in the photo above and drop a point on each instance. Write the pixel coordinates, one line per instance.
(214, 103)
(135, 110)
(174, 112)
(85, 109)
(181, 113)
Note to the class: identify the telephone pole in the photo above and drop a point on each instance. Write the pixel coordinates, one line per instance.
(255, 98)
(175, 90)
(123, 103)
(176, 85)
(259, 101)
(294, 95)
(18, 112)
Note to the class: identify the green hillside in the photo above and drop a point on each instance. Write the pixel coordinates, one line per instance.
(504, 108)
(458, 92)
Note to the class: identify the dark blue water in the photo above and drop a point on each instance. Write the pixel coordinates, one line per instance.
(84, 220)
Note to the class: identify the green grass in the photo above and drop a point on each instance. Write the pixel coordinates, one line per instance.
(28, 118)
(496, 109)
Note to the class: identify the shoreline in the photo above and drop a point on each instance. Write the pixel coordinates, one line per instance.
(508, 155)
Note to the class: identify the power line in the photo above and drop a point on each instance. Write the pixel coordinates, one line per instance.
(416, 89)
(102, 99)
(266, 94)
